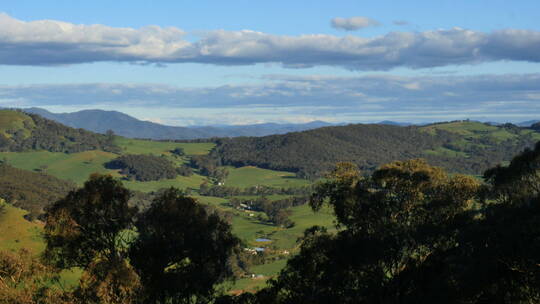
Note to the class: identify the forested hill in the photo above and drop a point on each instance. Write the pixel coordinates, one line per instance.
(23, 132)
(466, 147)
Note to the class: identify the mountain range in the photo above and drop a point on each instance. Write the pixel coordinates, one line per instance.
(122, 124)
(101, 121)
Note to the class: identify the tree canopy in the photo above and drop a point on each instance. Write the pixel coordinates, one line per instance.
(181, 251)
(174, 252)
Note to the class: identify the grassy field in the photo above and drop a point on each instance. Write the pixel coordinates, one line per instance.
(17, 233)
(470, 132)
(252, 176)
(262, 274)
(138, 146)
(75, 167)
(78, 166)
(193, 182)
(473, 129)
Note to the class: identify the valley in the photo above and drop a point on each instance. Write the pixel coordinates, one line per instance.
(267, 168)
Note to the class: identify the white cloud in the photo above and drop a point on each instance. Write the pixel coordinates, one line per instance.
(286, 98)
(50, 42)
(353, 23)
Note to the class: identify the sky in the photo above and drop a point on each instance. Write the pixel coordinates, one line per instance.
(246, 62)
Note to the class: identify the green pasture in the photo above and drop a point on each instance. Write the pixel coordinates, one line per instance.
(473, 129)
(75, 167)
(17, 233)
(182, 182)
(263, 273)
(140, 146)
(249, 228)
(252, 176)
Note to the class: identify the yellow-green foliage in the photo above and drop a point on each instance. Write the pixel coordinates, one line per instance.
(466, 128)
(12, 121)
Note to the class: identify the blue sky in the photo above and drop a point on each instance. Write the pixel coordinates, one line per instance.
(237, 62)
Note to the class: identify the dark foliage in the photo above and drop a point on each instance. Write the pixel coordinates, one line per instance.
(181, 251)
(173, 252)
(89, 223)
(143, 167)
(204, 163)
(184, 170)
(30, 190)
(51, 136)
(178, 152)
(410, 233)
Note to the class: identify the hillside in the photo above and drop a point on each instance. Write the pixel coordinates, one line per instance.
(465, 147)
(122, 124)
(31, 191)
(24, 132)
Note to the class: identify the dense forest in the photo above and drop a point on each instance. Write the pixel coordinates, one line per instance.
(23, 132)
(311, 153)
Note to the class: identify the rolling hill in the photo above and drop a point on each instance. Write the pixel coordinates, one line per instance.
(461, 146)
(21, 131)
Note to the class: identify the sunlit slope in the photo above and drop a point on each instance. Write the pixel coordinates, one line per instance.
(17, 233)
(29, 132)
(12, 122)
(471, 137)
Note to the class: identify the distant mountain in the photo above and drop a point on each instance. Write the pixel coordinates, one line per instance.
(122, 124)
(394, 123)
(527, 123)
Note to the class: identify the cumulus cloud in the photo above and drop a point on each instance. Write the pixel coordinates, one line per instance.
(353, 23)
(286, 98)
(49, 42)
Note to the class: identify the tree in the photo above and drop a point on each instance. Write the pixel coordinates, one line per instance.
(388, 224)
(219, 175)
(178, 151)
(502, 266)
(90, 229)
(181, 252)
(25, 280)
(109, 135)
(2, 206)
